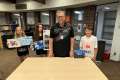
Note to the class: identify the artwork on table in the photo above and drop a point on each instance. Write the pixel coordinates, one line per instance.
(18, 42)
(80, 53)
(46, 36)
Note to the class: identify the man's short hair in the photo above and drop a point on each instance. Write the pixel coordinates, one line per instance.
(60, 12)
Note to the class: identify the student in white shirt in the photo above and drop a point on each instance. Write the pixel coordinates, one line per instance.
(89, 43)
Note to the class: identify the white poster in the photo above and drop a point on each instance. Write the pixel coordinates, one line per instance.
(46, 36)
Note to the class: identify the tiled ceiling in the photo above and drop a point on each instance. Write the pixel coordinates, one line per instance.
(14, 1)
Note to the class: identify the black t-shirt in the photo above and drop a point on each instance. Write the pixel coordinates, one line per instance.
(40, 37)
(61, 39)
(22, 51)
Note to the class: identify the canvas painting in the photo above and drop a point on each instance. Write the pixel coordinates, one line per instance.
(18, 42)
(24, 41)
(46, 36)
(39, 45)
(13, 43)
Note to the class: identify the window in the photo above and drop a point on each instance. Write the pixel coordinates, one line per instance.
(77, 17)
(30, 18)
(45, 18)
(77, 23)
(108, 25)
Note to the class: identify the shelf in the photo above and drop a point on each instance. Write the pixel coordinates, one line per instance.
(110, 19)
(107, 32)
(107, 41)
(107, 38)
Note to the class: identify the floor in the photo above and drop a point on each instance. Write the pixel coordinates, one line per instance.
(9, 62)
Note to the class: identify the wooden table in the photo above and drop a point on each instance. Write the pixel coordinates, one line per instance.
(57, 69)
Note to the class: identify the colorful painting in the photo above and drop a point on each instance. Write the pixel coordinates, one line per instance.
(46, 36)
(18, 42)
(39, 45)
(24, 41)
(13, 43)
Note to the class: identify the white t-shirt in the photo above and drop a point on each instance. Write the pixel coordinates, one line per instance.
(89, 44)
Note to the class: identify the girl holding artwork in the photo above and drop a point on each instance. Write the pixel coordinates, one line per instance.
(23, 51)
(38, 38)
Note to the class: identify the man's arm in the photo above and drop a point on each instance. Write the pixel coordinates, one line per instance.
(71, 42)
(50, 53)
(72, 47)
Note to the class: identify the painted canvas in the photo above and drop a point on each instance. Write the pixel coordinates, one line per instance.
(18, 42)
(24, 41)
(39, 45)
(13, 43)
(46, 36)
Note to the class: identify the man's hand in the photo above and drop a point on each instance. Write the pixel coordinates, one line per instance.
(71, 53)
(50, 54)
(94, 58)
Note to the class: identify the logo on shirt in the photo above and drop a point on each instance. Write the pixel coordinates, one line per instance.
(87, 46)
(62, 33)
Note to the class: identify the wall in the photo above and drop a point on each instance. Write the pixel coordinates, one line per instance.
(100, 15)
(53, 3)
(89, 15)
(31, 5)
(115, 53)
(45, 18)
(100, 24)
(6, 6)
(30, 18)
(3, 20)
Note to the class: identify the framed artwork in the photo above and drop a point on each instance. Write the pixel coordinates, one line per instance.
(24, 41)
(39, 45)
(18, 42)
(13, 43)
(46, 36)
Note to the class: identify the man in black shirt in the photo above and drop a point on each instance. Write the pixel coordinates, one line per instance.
(61, 38)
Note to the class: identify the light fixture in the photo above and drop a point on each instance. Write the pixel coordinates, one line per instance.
(77, 12)
(107, 8)
(16, 14)
(45, 14)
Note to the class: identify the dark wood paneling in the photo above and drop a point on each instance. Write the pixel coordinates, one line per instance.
(89, 15)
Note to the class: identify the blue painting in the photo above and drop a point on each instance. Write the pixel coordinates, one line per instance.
(80, 53)
(24, 41)
(39, 45)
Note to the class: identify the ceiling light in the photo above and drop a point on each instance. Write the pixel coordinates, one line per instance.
(77, 12)
(16, 14)
(107, 8)
(46, 14)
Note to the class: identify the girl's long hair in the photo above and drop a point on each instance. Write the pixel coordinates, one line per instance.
(18, 36)
(36, 34)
